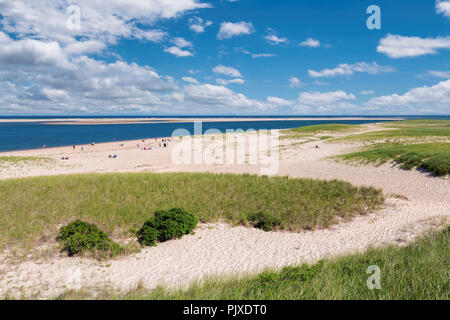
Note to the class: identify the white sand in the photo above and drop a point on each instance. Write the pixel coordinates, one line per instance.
(220, 248)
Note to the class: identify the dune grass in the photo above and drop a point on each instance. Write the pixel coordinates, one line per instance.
(23, 160)
(422, 144)
(404, 131)
(433, 157)
(417, 271)
(32, 208)
(308, 131)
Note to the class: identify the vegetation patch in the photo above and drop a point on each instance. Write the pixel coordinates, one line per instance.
(121, 202)
(166, 225)
(433, 157)
(307, 132)
(417, 271)
(265, 221)
(79, 237)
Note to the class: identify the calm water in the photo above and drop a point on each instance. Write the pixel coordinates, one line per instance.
(22, 135)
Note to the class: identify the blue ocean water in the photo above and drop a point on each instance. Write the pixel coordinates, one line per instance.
(31, 135)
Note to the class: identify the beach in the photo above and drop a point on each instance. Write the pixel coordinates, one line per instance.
(415, 202)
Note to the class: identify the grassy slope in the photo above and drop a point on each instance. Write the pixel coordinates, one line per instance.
(405, 145)
(32, 208)
(309, 131)
(418, 271)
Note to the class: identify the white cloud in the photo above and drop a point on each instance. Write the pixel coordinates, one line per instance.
(229, 71)
(224, 82)
(316, 98)
(32, 52)
(190, 80)
(263, 55)
(367, 92)
(279, 101)
(435, 98)
(197, 24)
(310, 42)
(84, 47)
(230, 29)
(106, 23)
(443, 7)
(350, 69)
(181, 42)
(212, 95)
(178, 52)
(395, 46)
(274, 39)
(295, 82)
(439, 74)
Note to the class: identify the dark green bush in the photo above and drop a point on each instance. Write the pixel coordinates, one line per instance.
(265, 221)
(166, 225)
(79, 236)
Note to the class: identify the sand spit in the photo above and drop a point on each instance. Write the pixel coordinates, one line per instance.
(416, 202)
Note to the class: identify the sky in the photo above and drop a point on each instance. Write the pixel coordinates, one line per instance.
(224, 57)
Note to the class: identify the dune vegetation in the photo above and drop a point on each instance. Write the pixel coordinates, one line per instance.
(422, 144)
(32, 208)
(417, 271)
(314, 130)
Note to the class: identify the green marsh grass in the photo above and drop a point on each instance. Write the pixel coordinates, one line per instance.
(417, 271)
(32, 208)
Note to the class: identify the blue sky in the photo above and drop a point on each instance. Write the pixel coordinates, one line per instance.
(224, 57)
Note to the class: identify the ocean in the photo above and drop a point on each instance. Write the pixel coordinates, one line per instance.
(30, 135)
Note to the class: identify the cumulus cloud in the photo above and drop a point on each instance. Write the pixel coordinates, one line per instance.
(190, 80)
(443, 6)
(274, 39)
(349, 69)
(316, 98)
(439, 74)
(224, 82)
(197, 24)
(181, 42)
(178, 52)
(310, 42)
(279, 101)
(32, 52)
(395, 46)
(212, 95)
(229, 29)
(228, 71)
(295, 82)
(436, 98)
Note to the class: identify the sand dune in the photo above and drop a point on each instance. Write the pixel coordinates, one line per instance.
(415, 202)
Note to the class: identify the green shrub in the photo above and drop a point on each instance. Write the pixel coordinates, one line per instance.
(79, 236)
(265, 221)
(166, 225)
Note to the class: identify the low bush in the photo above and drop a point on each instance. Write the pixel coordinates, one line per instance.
(166, 225)
(265, 221)
(79, 237)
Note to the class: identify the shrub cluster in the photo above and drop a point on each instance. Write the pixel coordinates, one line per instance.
(79, 236)
(166, 225)
(265, 221)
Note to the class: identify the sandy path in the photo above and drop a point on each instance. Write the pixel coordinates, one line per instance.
(222, 249)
